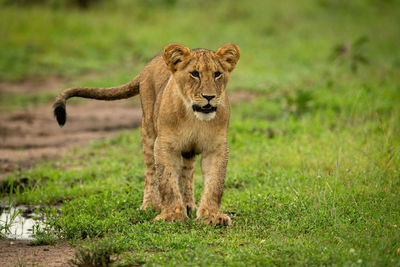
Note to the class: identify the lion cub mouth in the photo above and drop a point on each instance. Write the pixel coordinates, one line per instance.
(205, 109)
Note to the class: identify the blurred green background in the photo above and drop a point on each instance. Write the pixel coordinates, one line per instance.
(281, 41)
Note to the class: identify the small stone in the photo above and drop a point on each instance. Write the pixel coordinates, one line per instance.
(8, 168)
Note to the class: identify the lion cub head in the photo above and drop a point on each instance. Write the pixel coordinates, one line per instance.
(202, 75)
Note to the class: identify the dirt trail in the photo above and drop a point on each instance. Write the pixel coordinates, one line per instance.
(20, 253)
(42, 84)
(32, 134)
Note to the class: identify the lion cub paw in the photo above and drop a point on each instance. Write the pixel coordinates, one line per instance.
(217, 219)
(172, 216)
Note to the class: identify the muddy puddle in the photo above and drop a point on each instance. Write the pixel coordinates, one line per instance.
(20, 222)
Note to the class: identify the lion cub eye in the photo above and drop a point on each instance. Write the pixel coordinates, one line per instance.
(195, 74)
(217, 74)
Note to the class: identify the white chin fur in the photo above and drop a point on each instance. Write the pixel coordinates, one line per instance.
(205, 116)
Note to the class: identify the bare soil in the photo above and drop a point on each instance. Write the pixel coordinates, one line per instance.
(32, 134)
(20, 253)
(42, 84)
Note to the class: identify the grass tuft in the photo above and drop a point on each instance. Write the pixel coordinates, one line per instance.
(96, 254)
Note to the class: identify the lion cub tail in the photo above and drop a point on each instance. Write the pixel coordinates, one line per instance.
(113, 93)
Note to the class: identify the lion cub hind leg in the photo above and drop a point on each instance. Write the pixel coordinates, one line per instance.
(186, 182)
(168, 165)
(151, 197)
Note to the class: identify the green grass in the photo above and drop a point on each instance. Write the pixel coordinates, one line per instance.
(313, 176)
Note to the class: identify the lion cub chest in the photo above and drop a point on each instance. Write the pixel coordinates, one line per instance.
(200, 137)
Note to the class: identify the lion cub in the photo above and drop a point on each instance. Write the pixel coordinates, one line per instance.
(185, 113)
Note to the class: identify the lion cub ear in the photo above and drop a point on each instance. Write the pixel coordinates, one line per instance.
(173, 54)
(230, 54)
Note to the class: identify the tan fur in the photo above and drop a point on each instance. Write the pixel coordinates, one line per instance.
(174, 131)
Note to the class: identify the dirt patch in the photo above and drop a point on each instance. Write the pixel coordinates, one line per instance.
(44, 84)
(48, 83)
(32, 134)
(20, 253)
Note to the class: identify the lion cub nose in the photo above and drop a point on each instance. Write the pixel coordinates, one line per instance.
(208, 97)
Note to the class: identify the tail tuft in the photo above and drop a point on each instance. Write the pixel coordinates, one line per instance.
(60, 113)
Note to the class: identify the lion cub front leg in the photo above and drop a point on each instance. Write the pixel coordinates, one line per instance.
(168, 165)
(213, 167)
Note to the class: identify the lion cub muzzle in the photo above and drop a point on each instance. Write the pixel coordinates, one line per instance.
(204, 112)
(207, 108)
(204, 109)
